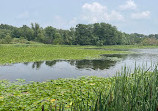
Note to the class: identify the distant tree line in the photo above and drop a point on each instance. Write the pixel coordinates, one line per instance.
(91, 34)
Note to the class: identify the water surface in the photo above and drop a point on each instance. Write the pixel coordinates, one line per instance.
(105, 67)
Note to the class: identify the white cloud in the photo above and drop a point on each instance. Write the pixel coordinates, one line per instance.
(130, 5)
(92, 13)
(141, 15)
(96, 12)
(23, 15)
(94, 7)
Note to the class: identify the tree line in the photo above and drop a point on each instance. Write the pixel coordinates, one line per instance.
(92, 34)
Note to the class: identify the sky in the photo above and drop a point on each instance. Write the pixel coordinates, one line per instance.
(130, 16)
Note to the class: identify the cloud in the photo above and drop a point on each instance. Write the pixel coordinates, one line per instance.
(23, 15)
(94, 7)
(141, 15)
(130, 5)
(96, 12)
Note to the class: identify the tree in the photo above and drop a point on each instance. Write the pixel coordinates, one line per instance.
(72, 33)
(49, 34)
(3, 33)
(36, 30)
(150, 41)
(7, 39)
(84, 34)
(26, 32)
(58, 39)
(91, 34)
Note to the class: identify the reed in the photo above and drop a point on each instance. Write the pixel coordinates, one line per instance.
(129, 92)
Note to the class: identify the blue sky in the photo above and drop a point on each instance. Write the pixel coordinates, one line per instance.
(129, 16)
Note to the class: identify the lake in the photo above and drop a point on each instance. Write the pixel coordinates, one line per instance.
(107, 66)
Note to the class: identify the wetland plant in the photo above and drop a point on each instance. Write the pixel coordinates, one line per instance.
(126, 92)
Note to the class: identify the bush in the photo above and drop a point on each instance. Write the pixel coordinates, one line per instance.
(150, 41)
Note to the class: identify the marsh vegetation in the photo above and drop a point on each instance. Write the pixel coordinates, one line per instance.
(132, 88)
(137, 91)
(82, 55)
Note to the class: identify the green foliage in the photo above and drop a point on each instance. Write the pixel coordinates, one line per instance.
(3, 33)
(20, 40)
(34, 51)
(26, 32)
(21, 96)
(150, 41)
(92, 34)
(84, 34)
(7, 39)
(125, 92)
(99, 43)
(26, 53)
(58, 39)
(38, 32)
(130, 92)
(49, 34)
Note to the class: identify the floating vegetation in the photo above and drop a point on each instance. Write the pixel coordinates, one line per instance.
(21, 96)
(137, 91)
(32, 53)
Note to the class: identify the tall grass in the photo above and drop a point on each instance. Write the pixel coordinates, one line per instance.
(129, 92)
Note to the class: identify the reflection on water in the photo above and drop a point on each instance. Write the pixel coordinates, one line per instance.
(93, 64)
(79, 64)
(105, 67)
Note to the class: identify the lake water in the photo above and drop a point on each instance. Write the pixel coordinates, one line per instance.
(105, 67)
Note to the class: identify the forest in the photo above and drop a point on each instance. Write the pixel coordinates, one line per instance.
(92, 34)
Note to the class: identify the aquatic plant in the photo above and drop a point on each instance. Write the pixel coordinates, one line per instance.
(125, 92)
(129, 92)
(33, 53)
